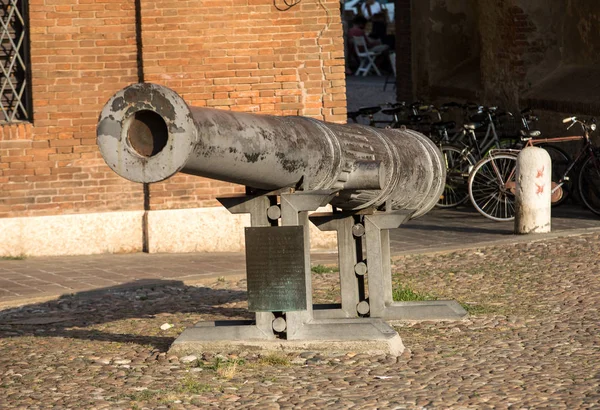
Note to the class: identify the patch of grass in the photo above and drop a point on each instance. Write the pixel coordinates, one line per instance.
(144, 395)
(406, 294)
(188, 386)
(223, 367)
(274, 360)
(228, 369)
(324, 269)
(476, 309)
(13, 257)
(191, 386)
(221, 279)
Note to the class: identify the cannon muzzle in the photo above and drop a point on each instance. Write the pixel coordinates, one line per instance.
(147, 133)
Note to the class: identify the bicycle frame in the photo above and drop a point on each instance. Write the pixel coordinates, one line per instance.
(586, 149)
(481, 146)
(492, 183)
(584, 153)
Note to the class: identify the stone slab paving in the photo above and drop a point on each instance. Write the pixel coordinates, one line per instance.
(463, 226)
(531, 341)
(50, 276)
(368, 92)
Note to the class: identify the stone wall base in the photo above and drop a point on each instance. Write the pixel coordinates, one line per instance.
(169, 231)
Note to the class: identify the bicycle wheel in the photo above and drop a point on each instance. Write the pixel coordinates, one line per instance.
(492, 186)
(560, 163)
(589, 184)
(458, 164)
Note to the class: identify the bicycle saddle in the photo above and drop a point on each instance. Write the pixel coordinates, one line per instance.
(530, 133)
(412, 120)
(473, 125)
(369, 110)
(443, 125)
(353, 115)
(395, 110)
(416, 104)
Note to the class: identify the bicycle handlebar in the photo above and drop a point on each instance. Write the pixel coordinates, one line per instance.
(588, 126)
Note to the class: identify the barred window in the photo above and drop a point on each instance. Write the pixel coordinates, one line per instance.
(15, 94)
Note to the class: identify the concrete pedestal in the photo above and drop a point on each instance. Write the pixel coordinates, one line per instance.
(372, 336)
(534, 190)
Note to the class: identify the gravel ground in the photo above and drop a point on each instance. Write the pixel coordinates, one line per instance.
(531, 341)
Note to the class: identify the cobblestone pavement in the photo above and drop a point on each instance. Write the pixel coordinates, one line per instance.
(531, 341)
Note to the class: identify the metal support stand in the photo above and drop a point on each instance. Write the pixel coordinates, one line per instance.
(372, 229)
(285, 318)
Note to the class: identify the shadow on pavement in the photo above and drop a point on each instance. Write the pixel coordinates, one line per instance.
(574, 211)
(463, 229)
(81, 315)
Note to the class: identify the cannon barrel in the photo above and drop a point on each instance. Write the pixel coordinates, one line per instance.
(147, 133)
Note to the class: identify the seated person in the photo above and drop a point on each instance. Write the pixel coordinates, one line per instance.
(358, 30)
(379, 32)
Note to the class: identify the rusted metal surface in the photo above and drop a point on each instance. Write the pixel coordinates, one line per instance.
(147, 133)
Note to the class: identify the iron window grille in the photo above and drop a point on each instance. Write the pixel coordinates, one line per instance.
(15, 93)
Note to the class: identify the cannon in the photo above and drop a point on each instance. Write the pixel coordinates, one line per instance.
(147, 133)
(375, 180)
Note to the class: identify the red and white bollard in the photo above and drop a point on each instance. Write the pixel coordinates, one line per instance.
(534, 189)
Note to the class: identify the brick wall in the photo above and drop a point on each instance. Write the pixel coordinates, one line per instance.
(231, 54)
(243, 55)
(80, 52)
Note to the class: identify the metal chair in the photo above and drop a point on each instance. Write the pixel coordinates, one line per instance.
(367, 56)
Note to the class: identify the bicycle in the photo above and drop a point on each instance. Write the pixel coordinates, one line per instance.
(460, 158)
(369, 114)
(445, 131)
(404, 115)
(492, 183)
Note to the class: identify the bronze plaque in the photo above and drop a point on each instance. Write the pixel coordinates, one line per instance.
(275, 269)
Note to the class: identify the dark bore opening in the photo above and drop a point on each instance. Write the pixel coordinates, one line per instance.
(147, 133)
